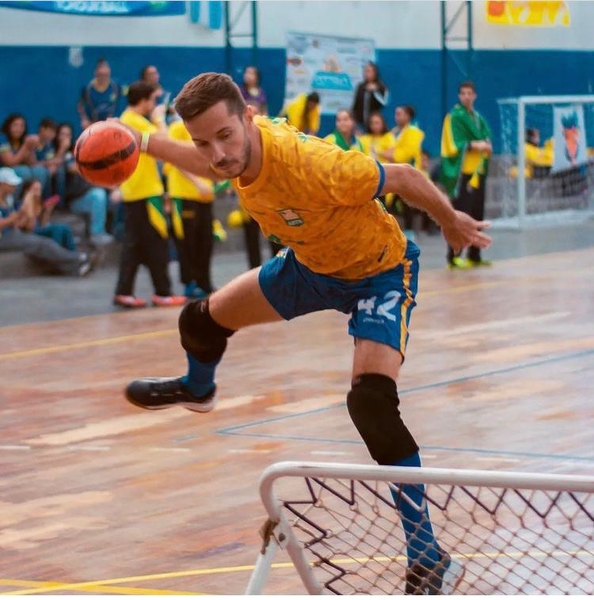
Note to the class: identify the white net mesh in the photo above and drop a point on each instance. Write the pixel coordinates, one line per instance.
(546, 191)
(509, 541)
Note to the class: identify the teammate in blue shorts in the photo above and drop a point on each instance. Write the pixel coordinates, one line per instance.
(343, 252)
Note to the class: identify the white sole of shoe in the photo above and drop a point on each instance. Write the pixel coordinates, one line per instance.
(452, 578)
(204, 407)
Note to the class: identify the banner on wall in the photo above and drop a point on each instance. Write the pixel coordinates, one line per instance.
(569, 135)
(105, 8)
(331, 66)
(539, 13)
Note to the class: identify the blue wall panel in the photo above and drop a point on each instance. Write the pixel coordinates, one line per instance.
(38, 81)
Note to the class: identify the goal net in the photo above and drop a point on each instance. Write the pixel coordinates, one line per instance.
(513, 532)
(545, 172)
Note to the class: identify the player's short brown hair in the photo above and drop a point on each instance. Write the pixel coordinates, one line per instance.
(206, 90)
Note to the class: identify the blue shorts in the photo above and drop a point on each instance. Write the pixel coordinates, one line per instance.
(379, 306)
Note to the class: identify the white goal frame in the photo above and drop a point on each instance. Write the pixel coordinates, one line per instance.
(277, 532)
(523, 219)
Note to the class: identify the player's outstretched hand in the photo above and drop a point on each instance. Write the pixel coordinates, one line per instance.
(137, 135)
(465, 231)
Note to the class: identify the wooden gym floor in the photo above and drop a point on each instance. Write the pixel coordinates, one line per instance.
(99, 497)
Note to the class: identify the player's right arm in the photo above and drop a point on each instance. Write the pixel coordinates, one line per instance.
(183, 155)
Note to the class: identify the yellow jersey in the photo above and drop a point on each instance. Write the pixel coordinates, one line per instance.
(178, 185)
(320, 200)
(295, 113)
(145, 182)
(337, 139)
(407, 145)
(377, 145)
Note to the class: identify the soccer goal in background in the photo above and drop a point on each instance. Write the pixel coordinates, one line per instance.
(513, 532)
(548, 182)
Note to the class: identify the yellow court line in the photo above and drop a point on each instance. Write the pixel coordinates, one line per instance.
(49, 586)
(39, 586)
(78, 345)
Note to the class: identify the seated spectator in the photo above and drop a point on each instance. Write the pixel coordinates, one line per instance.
(252, 92)
(377, 140)
(304, 113)
(36, 217)
(45, 152)
(17, 151)
(42, 249)
(78, 195)
(101, 98)
(343, 135)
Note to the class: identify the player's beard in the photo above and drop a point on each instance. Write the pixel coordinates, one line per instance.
(226, 166)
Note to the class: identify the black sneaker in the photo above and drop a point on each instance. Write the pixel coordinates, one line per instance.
(155, 393)
(442, 579)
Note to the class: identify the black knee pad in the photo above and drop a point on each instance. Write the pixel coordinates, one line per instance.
(373, 407)
(204, 339)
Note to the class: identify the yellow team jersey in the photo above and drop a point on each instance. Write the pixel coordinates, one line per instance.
(178, 185)
(407, 145)
(356, 144)
(320, 201)
(376, 146)
(295, 111)
(146, 180)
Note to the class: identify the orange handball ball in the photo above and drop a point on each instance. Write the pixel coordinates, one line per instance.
(106, 154)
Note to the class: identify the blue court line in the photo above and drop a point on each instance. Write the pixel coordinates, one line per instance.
(238, 430)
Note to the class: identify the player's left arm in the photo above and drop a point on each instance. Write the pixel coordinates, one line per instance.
(459, 229)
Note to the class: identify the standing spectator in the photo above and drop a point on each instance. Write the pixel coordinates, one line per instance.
(17, 151)
(77, 194)
(343, 135)
(465, 151)
(304, 113)
(42, 249)
(252, 92)
(101, 98)
(371, 95)
(192, 199)
(408, 140)
(150, 74)
(145, 223)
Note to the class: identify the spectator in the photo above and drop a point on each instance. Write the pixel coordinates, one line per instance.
(304, 113)
(150, 74)
(192, 216)
(343, 135)
(377, 140)
(36, 217)
(145, 224)
(465, 151)
(78, 195)
(408, 139)
(42, 249)
(45, 152)
(539, 160)
(17, 150)
(101, 98)
(371, 95)
(252, 92)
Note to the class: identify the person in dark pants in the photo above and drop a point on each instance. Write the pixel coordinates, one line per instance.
(145, 224)
(466, 148)
(191, 215)
(251, 231)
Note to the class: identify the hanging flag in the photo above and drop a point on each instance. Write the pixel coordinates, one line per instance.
(104, 8)
(543, 13)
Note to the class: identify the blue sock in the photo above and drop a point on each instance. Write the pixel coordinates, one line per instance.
(421, 545)
(190, 289)
(200, 378)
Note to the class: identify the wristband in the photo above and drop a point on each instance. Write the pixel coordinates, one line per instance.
(144, 141)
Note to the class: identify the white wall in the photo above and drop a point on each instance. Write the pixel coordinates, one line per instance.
(392, 24)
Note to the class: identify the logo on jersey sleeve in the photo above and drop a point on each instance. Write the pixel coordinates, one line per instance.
(291, 218)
